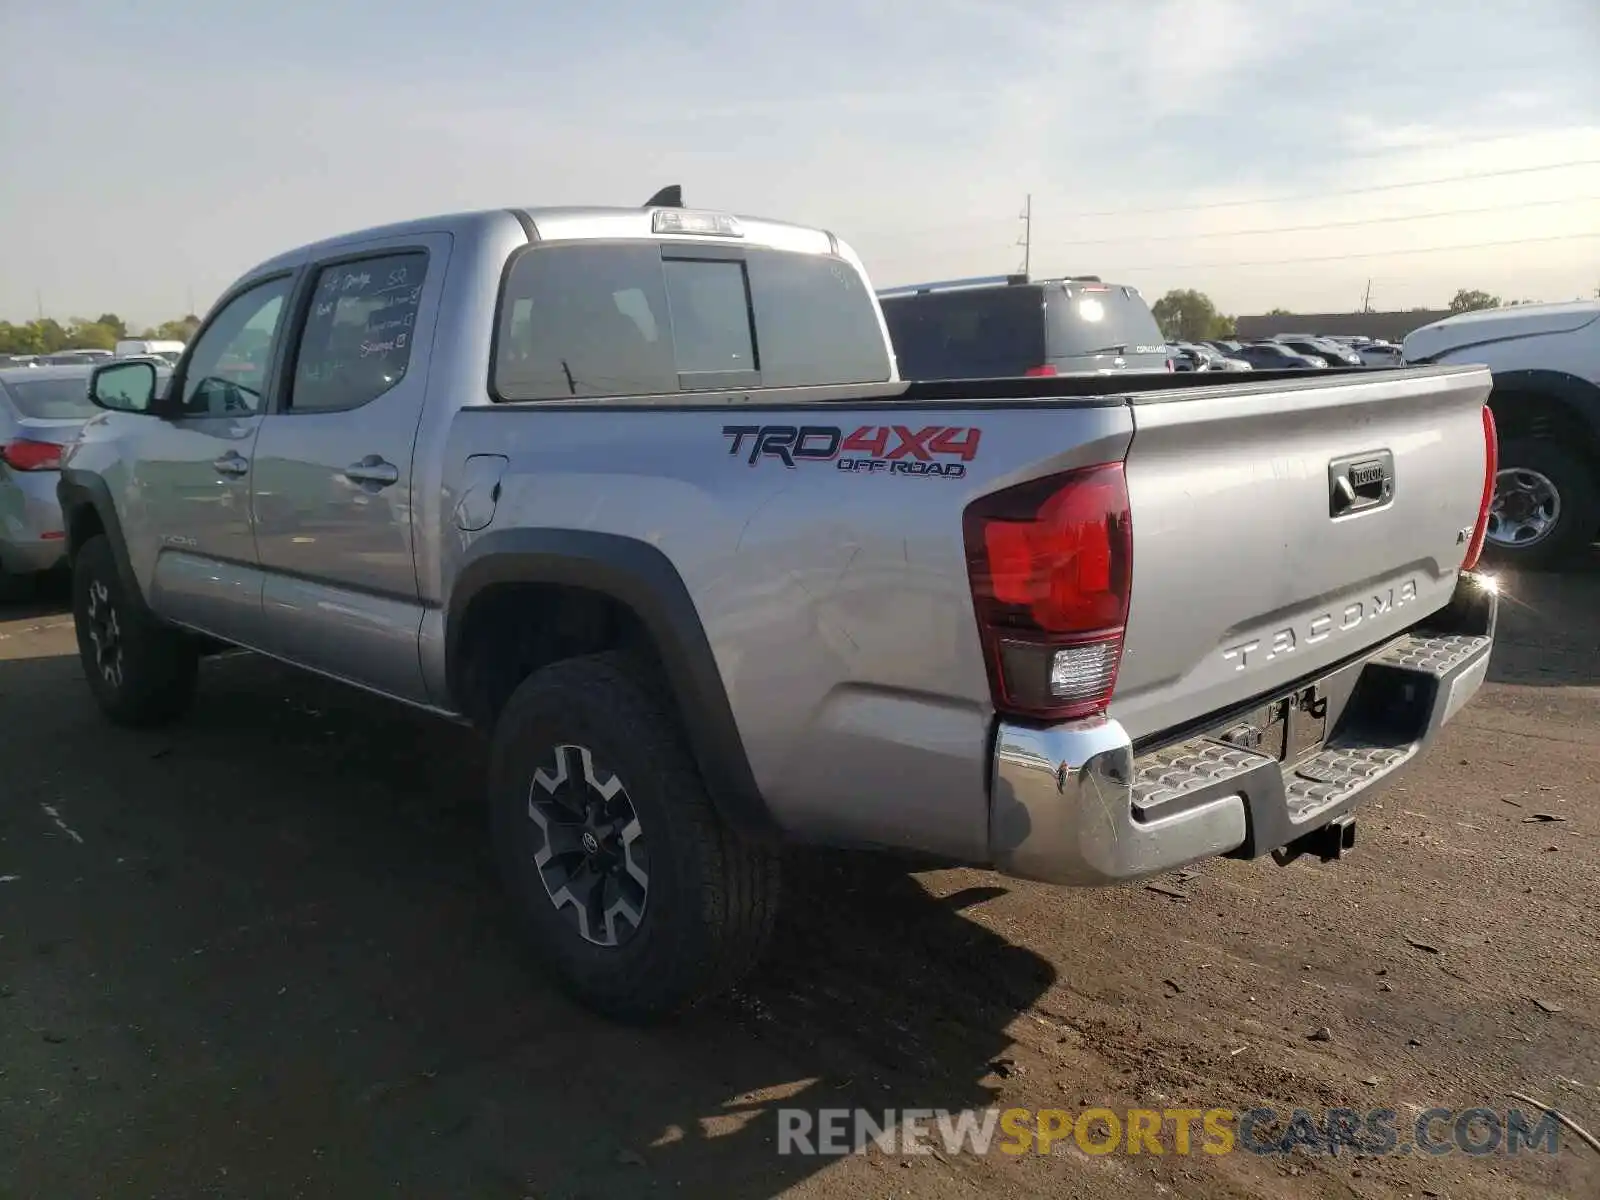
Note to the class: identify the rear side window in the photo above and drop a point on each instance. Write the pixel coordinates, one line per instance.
(356, 344)
(641, 318)
(981, 333)
(1101, 320)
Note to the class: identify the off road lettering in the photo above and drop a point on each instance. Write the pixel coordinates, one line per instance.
(940, 451)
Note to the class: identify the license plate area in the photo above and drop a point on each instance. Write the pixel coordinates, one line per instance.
(1290, 729)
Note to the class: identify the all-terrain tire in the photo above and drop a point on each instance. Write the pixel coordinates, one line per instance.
(1578, 517)
(708, 909)
(142, 673)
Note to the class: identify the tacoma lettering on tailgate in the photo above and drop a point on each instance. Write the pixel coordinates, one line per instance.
(937, 450)
(1308, 631)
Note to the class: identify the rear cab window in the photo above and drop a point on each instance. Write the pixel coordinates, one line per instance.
(639, 318)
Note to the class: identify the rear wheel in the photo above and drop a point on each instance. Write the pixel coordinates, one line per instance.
(634, 892)
(140, 671)
(1546, 506)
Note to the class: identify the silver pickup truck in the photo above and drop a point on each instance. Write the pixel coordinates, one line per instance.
(638, 493)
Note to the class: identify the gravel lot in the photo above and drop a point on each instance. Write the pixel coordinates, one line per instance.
(263, 954)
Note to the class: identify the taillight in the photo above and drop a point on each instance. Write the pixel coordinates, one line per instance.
(1047, 369)
(1051, 563)
(1491, 467)
(1171, 366)
(25, 455)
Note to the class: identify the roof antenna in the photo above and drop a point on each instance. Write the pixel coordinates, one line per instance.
(670, 196)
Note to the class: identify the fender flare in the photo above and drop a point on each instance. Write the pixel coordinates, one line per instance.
(80, 491)
(1577, 393)
(639, 576)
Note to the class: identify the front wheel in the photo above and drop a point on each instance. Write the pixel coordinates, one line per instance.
(1546, 506)
(141, 672)
(640, 899)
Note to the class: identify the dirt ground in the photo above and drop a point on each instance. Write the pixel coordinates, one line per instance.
(263, 954)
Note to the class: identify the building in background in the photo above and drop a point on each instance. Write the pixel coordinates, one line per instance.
(1392, 326)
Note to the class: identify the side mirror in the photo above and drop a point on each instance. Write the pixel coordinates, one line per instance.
(124, 386)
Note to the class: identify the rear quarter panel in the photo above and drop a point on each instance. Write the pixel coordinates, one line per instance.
(836, 602)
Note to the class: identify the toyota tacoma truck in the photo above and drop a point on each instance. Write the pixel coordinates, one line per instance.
(638, 492)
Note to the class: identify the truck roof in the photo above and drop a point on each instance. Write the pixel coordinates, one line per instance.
(576, 223)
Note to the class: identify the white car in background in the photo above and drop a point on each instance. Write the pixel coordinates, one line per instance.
(168, 351)
(1546, 402)
(1380, 354)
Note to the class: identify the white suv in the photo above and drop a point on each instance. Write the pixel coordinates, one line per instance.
(1546, 401)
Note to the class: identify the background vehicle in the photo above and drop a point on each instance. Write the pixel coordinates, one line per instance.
(170, 351)
(1331, 353)
(1187, 358)
(1381, 354)
(1219, 359)
(41, 409)
(1011, 326)
(72, 358)
(1202, 356)
(527, 468)
(1546, 364)
(1274, 356)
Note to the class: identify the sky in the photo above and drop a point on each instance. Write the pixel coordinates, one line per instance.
(153, 158)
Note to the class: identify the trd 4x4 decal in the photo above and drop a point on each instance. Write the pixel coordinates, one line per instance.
(938, 450)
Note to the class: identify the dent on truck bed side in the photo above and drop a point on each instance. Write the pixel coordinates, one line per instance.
(641, 577)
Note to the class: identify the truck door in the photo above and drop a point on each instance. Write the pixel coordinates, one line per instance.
(188, 493)
(332, 478)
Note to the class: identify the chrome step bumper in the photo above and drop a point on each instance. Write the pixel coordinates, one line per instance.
(1074, 803)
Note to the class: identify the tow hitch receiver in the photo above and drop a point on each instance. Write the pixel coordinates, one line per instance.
(1330, 842)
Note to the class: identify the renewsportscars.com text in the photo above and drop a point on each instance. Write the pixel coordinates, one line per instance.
(1178, 1131)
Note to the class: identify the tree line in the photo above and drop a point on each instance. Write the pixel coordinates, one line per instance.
(47, 335)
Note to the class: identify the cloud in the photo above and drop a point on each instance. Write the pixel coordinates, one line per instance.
(914, 128)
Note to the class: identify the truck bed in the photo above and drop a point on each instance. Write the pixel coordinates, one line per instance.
(824, 556)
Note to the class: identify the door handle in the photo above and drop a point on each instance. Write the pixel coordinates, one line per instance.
(231, 463)
(372, 470)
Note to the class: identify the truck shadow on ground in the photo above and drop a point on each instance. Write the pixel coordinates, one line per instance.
(1548, 635)
(49, 595)
(277, 961)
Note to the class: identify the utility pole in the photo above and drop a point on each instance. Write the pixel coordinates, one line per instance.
(1026, 240)
(1366, 300)
(190, 310)
(38, 303)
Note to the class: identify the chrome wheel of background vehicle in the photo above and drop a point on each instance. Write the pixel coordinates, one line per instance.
(1525, 508)
(590, 850)
(105, 633)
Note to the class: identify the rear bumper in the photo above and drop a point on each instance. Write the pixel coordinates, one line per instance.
(32, 534)
(1076, 804)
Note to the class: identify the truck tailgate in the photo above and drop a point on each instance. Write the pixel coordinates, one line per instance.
(1254, 565)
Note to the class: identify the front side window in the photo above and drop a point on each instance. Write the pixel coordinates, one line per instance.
(228, 367)
(622, 319)
(358, 333)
